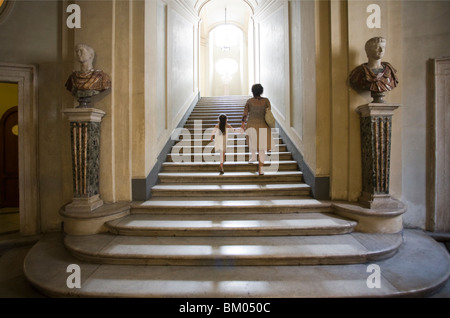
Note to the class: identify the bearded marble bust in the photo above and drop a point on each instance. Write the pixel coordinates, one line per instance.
(87, 82)
(375, 76)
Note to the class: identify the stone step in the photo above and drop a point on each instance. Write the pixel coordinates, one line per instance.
(179, 148)
(215, 117)
(232, 205)
(240, 177)
(269, 166)
(236, 123)
(232, 251)
(237, 190)
(229, 156)
(218, 110)
(206, 135)
(418, 269)
(231, 141)
(231, 225)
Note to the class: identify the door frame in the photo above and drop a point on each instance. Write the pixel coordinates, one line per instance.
(26, 78)
(438, 216)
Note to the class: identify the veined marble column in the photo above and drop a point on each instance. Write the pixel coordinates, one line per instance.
(85, 144)
(376, 127)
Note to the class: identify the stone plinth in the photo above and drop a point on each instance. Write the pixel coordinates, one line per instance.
(376, 127)
(85, 144)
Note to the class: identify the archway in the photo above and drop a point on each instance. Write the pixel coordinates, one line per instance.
(226, 45)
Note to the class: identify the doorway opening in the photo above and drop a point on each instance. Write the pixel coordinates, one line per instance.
(9, 159)
(226, 48)
(25, 77)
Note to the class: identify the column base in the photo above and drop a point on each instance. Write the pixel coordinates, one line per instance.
(377, 201)
(372, 220)
(85, 204)
(93, 222)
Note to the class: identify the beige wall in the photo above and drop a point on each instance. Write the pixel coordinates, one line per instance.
(341, 32)
(143, 106)
(272, 45)
(154, 81)
(32, 35)
(426, 35)
(313, 102)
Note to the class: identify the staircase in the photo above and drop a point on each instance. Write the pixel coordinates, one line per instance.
(198, 217)
(239, 234)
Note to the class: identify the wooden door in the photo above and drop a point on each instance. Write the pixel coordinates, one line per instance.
(9, 159)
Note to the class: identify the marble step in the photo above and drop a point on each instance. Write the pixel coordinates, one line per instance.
(229, 156)
(214, 113)
(272, 166)
(237, 190)
(217, 111)
(179, 148)
(240, 177)
(205, 124)
(231, 225)
(207, 141)
(206, 134)
(215, 117)
(419, 268)
(213, 120)
(232, 205)
(232, 251)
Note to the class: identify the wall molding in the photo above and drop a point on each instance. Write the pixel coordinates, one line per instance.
(320, 186)
(141, 187)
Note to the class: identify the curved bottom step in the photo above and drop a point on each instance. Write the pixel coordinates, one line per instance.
(420, 267)
(233, 251)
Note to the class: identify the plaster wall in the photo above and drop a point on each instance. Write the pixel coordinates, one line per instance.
(273, 45)
(426, 33)
(341, 32)
(31, 35)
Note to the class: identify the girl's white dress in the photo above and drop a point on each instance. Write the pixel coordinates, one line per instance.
(220, 140)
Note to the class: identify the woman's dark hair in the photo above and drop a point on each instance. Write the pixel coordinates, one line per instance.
(222, 122)
(257, 90)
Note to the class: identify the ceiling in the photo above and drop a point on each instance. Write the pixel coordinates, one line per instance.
(212, 12)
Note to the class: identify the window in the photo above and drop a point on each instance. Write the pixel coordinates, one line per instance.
(226, 68)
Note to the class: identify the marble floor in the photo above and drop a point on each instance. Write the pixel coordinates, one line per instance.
(9, 220)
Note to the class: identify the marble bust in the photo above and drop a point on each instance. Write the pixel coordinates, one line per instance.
(88, 81)
(375, 76)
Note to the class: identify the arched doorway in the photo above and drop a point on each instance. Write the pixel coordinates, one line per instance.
(26, 78)
(9, 159)
(226, 46)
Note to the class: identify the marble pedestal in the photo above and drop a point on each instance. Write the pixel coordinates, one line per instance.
(85, 144)
(376, 126)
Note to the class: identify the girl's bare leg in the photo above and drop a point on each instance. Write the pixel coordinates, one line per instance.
(262, 157)
(222, 159)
